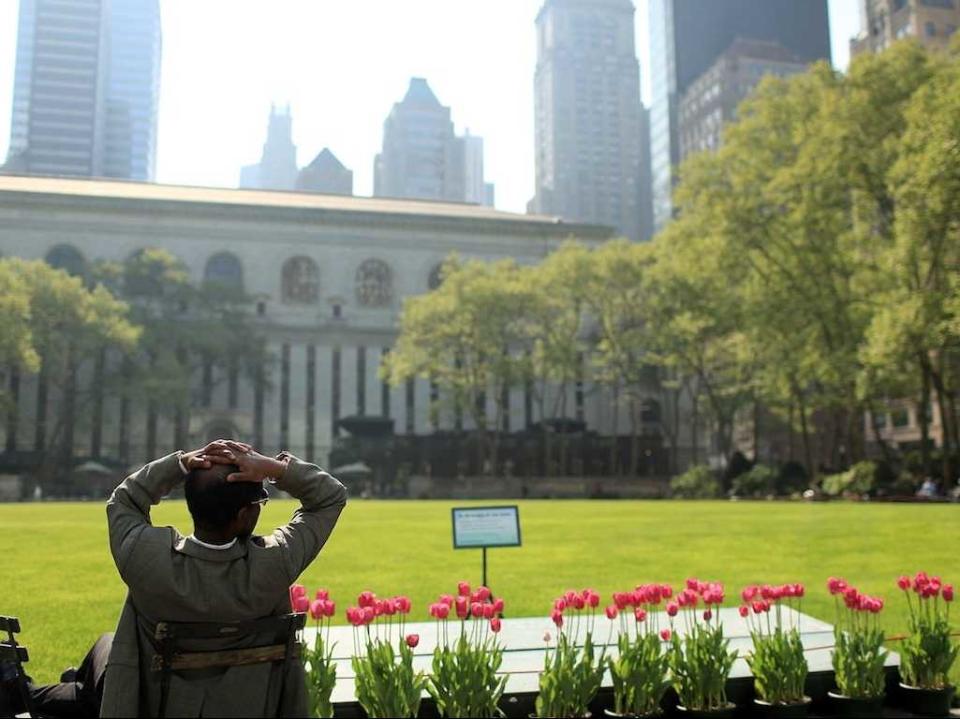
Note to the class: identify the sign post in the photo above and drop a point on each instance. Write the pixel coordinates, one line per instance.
(483, 527)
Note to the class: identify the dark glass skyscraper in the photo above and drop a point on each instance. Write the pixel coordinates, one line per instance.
(687, 37)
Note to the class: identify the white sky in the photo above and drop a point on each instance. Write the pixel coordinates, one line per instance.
(341, 64)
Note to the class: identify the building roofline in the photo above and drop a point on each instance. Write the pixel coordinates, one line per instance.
(344, 207)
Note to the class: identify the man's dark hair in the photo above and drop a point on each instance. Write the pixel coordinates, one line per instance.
(213, 501)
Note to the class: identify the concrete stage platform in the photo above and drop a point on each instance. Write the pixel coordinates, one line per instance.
(524, 652)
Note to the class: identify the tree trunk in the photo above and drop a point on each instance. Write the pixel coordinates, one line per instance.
(756, 431)
(695, 426)
(615, 403)
(878, 437)
(808, 455)
(634, 439)
(924, 419)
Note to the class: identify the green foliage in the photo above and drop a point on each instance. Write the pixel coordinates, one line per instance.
(700, 663)
(570, 679)
(759, 481)
(929, 652)
(639, 674)
(778, 665)
(386, 684)
(698, 482)
(858, 658)
(464, 682)
(860, 479)
(321, 675)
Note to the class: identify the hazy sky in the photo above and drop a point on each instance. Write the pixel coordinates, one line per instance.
(341, 64)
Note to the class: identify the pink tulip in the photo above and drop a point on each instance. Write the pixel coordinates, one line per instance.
(578, 603)
(330, 608)
(749, 593)
(611, 612)
(744, 611)
(557, 618)
(947, 593)
(463, 608)
(443, 610)
(483, 594)
(352, 615)
(297, 590)
(403, 604)
(488, 612)
(366, 599)
(757, 607)
(322, 594)
(368, 615)
(476, 610)
(413, 640)
(621, 600)
(672, 609)
(379, 607)
(301, 604)
(665, 634)
(666, 591)
(707, 615)
(498, 606)
(447, 599)
(569, 596)
(316, 609)
(560, 604)
(692, 584)
(463, 589)
(593, 600)
(640, 615)
(495, 625)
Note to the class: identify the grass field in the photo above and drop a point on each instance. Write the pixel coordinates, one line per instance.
(57, 575)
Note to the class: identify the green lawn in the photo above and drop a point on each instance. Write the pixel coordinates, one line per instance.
(59, 579)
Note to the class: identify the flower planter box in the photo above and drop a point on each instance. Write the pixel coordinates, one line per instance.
(523, 661)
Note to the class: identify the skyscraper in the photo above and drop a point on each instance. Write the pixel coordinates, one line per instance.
(422, 158)
(687, 37)
(712, 99)
(86, 88)
(277, 169)
(587, 114)
(133, 94)
(882, 22)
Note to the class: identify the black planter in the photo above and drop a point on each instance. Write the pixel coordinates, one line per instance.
(613, 715)
(796, 710)
(854, 707)
(726, 712)
(927, 702)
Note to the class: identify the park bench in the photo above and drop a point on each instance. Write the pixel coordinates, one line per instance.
(169, 638)
(12, 657)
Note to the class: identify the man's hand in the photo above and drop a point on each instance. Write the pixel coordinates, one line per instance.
(255, 467)
(221, 451)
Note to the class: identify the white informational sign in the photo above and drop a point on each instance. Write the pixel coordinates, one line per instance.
(475, 527)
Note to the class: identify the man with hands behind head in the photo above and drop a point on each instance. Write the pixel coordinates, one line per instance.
(222, 572)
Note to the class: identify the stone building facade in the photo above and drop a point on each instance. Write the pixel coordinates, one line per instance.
(329, 275)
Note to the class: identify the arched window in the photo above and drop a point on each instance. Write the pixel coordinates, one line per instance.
(650, 411)
(224, 270)
(301, 281)
(436, 276)
(374, 283)
(67, 258)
